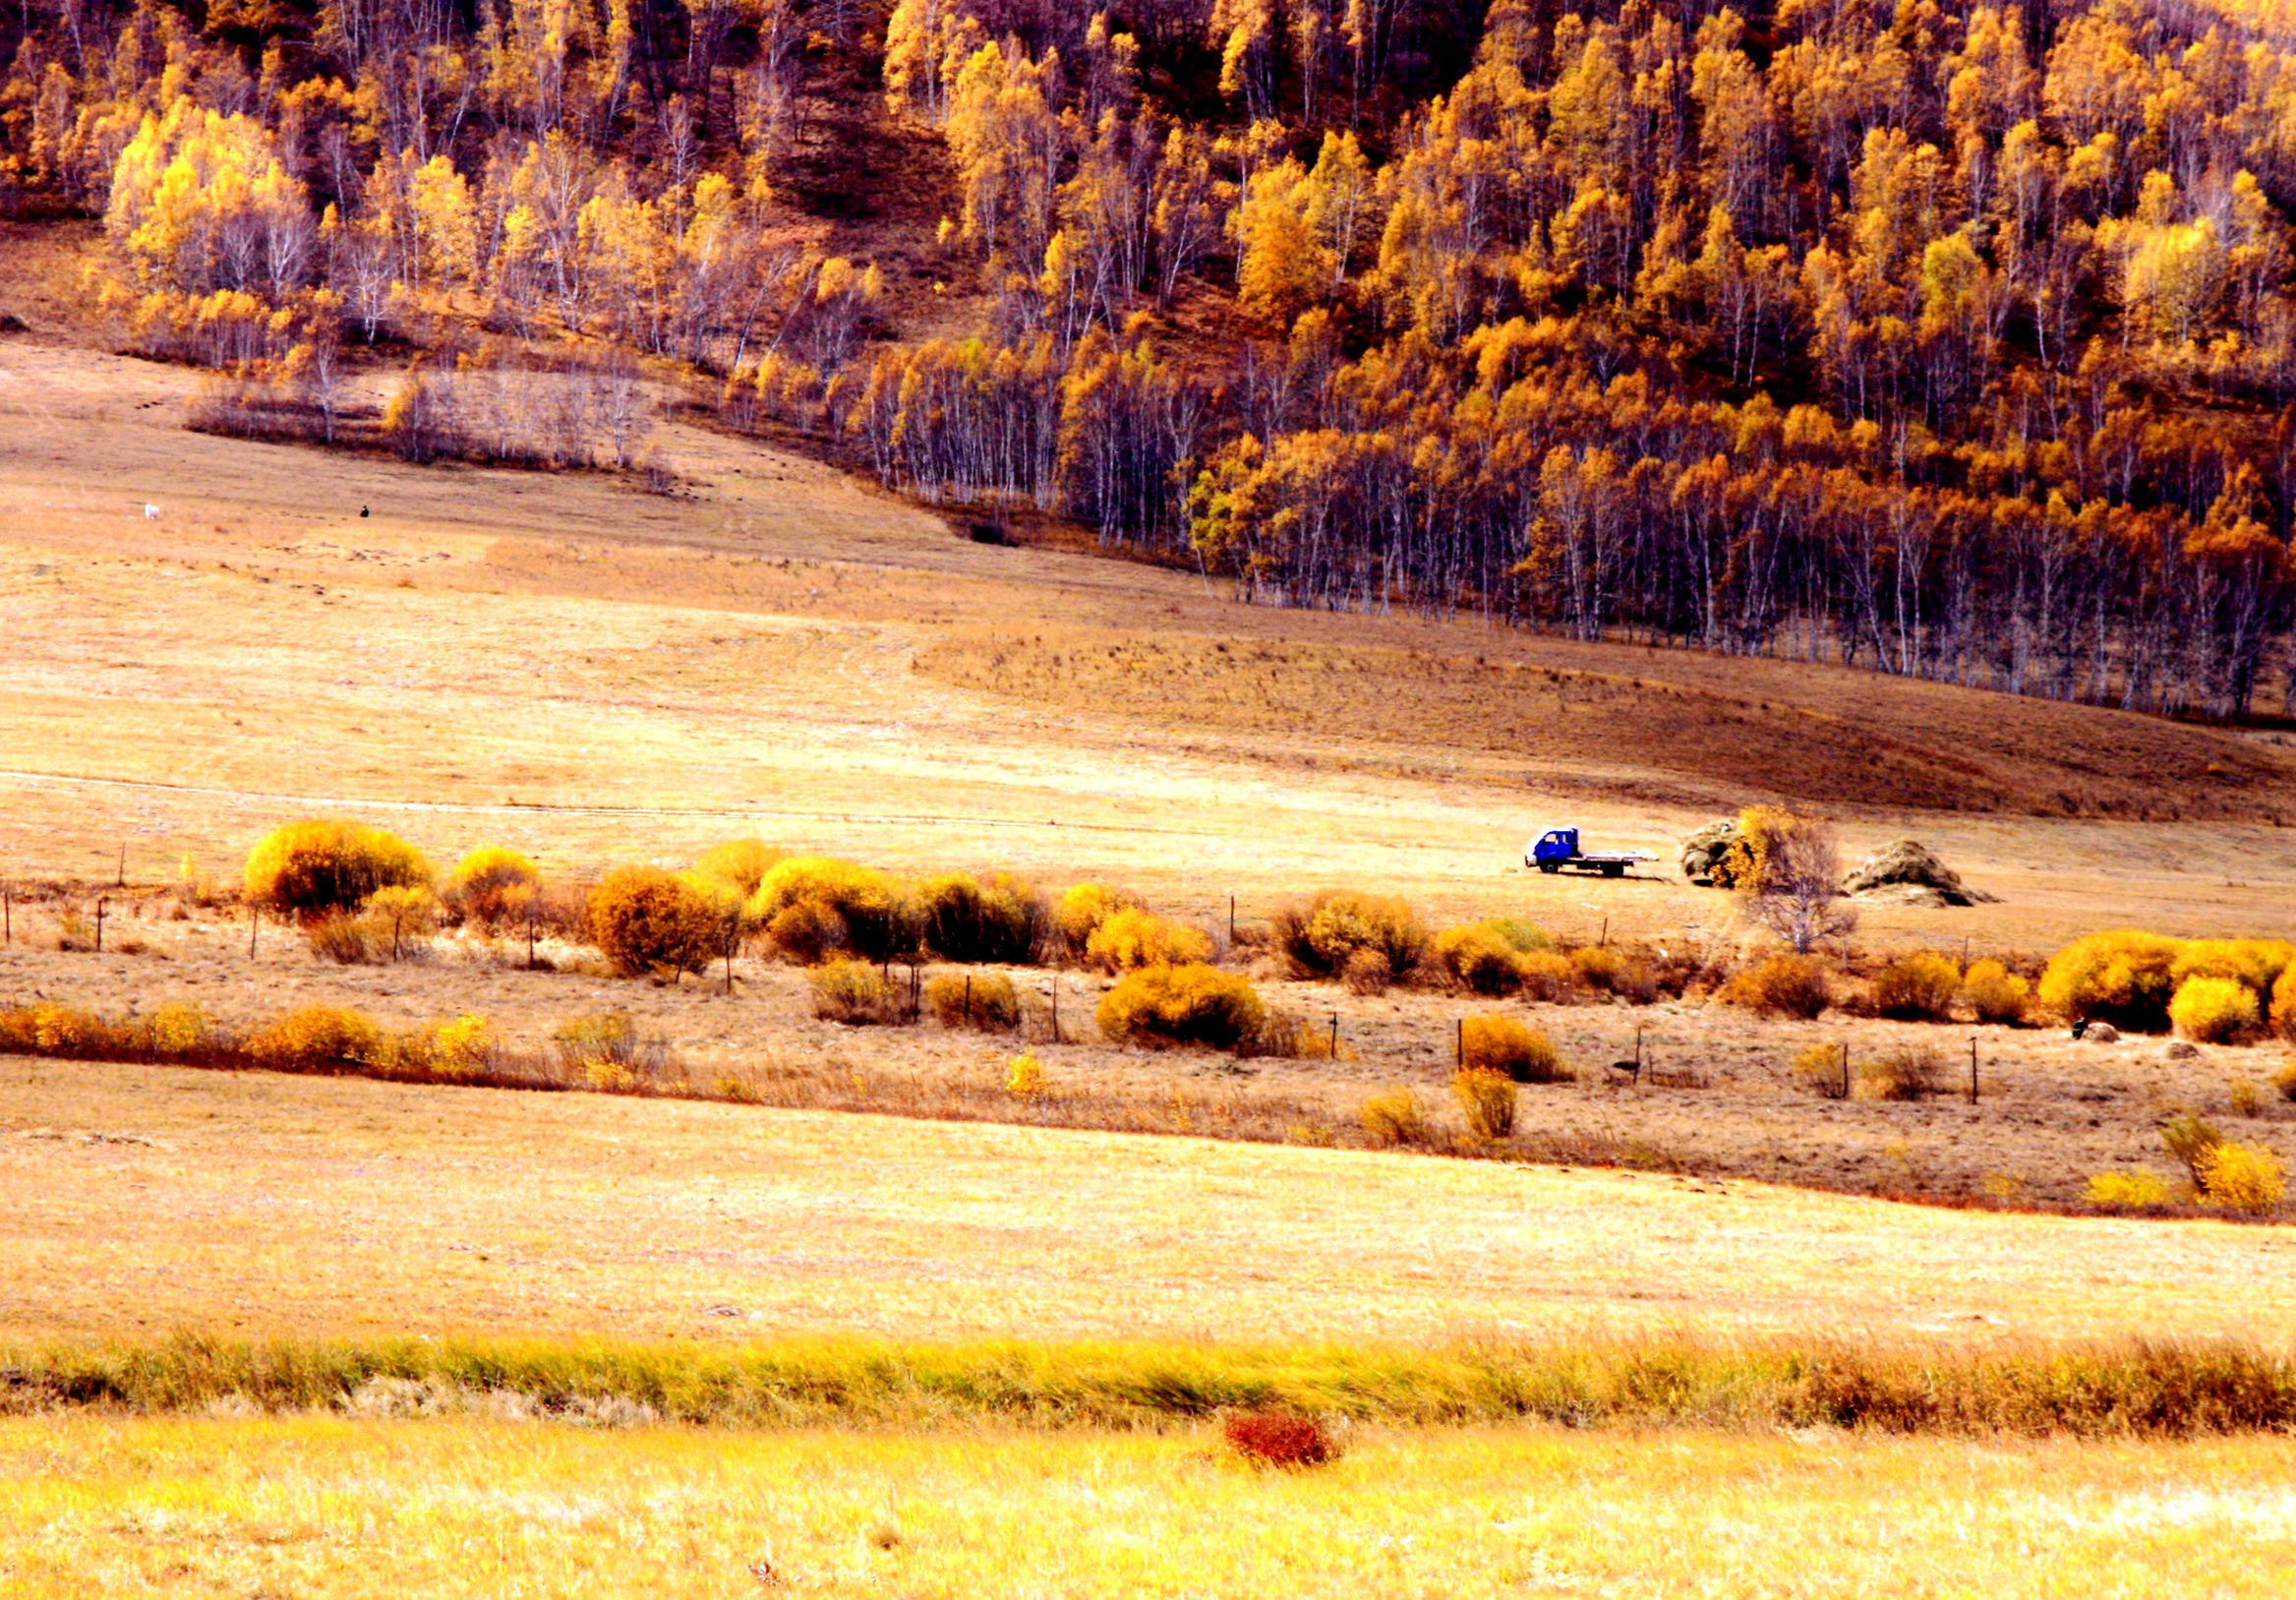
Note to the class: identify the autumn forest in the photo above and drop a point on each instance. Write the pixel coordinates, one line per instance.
(1952, 342)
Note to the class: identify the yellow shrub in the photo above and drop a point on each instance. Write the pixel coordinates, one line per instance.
(1129, 939)
(320, 1038)
(2242, 1177)
(1494, 1043)
(738, 864)
(1366, 973)
(2284, 1005)
(1920, 987)
(2246, 1099)
(603, 1049)
(464, 1045)
(873, 911)
(807, 932)
(1395, 1118)
(2257, 962)
(1319, 938)
(1083, 907)
(854, 993)
(962, 918)
(1903, 1072)
(1780, 987)
(2123, 978)
(1547, 976)
(2285, 1081)
(1599, 967)
(2213, 1010)
(2128, 1191)
(178, 1028)
(1821, 1068)
(1182, 1005)
(1487, 1099)
(1994, 993)
(1024, 1078)
(984, 1000)
(310, 867)
(1480, 959)
(491, 886)
(644, 919)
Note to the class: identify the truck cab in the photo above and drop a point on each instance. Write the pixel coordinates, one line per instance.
(1554, 846)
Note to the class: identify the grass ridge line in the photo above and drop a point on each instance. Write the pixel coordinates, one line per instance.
(2151, 1388)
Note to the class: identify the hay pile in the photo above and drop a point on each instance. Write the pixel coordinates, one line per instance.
(1904, 873)
(1702, 850)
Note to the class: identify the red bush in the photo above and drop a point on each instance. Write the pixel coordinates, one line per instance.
(1270, 1438)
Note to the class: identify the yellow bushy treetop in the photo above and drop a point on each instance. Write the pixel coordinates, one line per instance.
(313, 867)
(962, 918)
(1319, 937)
(1130, 937)
(492, 885)
(1995, 994)
(1480, 959)
(1920, 987)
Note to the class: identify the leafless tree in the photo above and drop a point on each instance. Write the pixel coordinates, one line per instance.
(1795, 888)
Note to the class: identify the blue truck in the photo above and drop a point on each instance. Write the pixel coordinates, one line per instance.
(1558, 848)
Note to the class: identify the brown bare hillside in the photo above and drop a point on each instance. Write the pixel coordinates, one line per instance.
(1676, 729)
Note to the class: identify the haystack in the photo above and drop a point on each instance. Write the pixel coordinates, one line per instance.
(1702, 850)
(1905, 872)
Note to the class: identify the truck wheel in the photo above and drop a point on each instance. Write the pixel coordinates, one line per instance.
(1616, 869)
(1549, 867)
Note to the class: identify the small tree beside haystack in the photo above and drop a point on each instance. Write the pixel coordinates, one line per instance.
(1787, 871)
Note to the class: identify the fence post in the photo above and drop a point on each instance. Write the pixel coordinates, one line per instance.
(1056, 1008)
(100, 903)
(1232, 919)
(1604, 942)
(968, 999)
(123, 874)
(1972, 1069)
(255, 915)
(1845, 1069)
(1459, 1044)
(1334, 1036)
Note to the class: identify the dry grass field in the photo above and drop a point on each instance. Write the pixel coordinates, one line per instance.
(332, 1508)
(138, 1201)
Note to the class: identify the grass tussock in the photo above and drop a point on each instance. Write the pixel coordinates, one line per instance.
(2151, 1387)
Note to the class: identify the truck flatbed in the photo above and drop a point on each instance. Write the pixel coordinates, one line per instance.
(1556, 850)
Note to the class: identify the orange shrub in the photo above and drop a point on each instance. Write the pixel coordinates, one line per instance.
(321, 1039)
(1995, 994)
(1182, 1005)
(491, 885)
(1548, 976)
(1487, 1101)
(854, 993)
(2284, 1005)
(644, 919)
(1920, 987)
(874, 916)
(1780, 987)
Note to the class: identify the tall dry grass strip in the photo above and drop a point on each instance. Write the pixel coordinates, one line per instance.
(2136, 1387)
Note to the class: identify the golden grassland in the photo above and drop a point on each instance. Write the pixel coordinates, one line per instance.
(321, 1506)
(138, 1201)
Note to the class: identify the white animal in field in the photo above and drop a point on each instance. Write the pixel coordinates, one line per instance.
(150, 513)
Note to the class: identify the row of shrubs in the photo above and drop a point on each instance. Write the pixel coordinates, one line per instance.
(2247, 1178)
(2214, 990)
(602, 1051)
